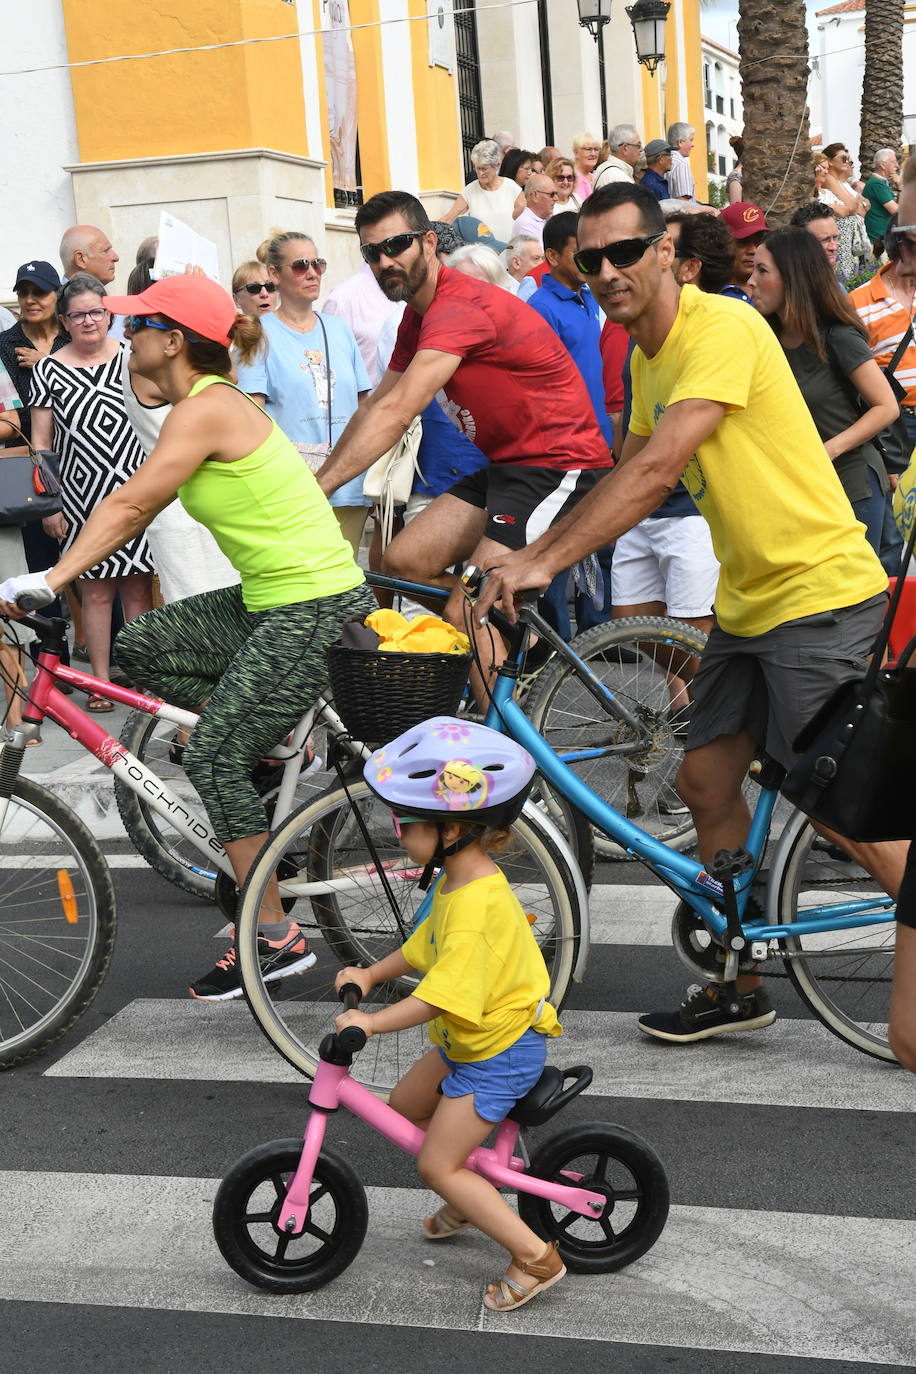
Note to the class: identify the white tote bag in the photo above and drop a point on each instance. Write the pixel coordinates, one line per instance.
(389, 481)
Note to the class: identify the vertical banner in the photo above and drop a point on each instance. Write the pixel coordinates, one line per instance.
(340, 85)
(441, 34)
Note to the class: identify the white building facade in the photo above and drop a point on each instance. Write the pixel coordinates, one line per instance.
(723, 113)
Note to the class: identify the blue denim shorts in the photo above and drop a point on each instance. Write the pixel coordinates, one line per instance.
(496, 1084)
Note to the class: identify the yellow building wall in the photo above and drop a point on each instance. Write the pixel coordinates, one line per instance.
(436, 113)
(195, 102)
(370, 86)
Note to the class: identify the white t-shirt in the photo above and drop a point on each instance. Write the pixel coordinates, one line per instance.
(494, 208)
(529, 223)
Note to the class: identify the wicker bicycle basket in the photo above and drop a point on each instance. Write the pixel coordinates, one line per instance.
(379, 695)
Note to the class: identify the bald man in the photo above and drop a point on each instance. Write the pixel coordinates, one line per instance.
(84, 248)
(540, 198)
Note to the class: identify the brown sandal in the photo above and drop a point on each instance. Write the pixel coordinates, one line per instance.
(99, 705)
(505, 1294)
(442, 1225)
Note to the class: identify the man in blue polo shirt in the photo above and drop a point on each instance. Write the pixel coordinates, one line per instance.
(566, 303)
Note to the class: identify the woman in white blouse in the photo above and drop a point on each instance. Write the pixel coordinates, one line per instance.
(490, 198)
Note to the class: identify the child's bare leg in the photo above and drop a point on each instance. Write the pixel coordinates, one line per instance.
(453, 1133)
(415, 1095)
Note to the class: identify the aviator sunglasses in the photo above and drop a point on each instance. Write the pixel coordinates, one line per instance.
(623, 253)
(392, 248)
(318, 265)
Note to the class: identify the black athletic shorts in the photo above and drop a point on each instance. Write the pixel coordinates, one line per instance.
(523, 501)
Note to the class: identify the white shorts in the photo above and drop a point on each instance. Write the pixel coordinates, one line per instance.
(669, 559)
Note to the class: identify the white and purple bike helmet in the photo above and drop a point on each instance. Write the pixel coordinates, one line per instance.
(452, 769)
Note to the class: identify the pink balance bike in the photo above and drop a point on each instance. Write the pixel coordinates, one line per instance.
(290, 1217)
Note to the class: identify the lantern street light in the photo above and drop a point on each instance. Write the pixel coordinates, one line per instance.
(593, 15)
(648, 18)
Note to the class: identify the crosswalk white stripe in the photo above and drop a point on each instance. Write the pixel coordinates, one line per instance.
(793, 1063)
(775, 1283)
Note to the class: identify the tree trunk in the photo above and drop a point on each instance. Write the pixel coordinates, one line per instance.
(882, 86)
(773, 50)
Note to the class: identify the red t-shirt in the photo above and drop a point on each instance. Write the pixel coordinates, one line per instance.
(517, 395)
(615, 341)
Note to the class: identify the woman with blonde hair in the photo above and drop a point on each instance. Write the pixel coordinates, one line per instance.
(562, 173)
(253, 290)
(309, 376)
(586, 154)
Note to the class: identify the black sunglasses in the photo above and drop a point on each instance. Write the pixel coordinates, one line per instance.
(392, 248)
(254, 288)
(623, 253)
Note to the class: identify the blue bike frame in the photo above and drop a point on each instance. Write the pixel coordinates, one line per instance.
(685, 876)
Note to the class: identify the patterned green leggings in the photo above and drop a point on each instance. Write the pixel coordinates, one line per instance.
(256, 670)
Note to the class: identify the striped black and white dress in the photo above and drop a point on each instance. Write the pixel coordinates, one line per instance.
(97, 445)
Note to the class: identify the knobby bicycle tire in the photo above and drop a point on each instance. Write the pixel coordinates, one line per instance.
(843, 977)
(633, 658)
(353, 923)
(57, 922)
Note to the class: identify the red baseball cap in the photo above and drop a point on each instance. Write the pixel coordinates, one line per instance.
(196, 302)
(744, 218)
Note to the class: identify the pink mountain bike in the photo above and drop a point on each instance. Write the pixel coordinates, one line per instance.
(291, 1216)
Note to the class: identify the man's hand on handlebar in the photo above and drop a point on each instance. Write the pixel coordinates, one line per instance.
(506, 582)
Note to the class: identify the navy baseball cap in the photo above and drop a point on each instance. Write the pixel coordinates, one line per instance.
(40, 274)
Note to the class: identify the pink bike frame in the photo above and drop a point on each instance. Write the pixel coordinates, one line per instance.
(333, 1087)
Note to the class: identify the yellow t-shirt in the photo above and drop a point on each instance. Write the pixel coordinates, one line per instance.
(782, 527)
(483, 968)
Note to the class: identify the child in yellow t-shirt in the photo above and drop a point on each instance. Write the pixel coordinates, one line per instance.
(456, 787)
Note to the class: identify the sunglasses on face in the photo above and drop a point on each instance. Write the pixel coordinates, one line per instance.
(392, 248)
(317, 265)
(254, 288)
(399, 823)
(134, 323)
(564, 178)
(78, 316)
(623, 253)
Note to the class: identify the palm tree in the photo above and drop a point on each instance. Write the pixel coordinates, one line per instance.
(773, 52)
(882, 86)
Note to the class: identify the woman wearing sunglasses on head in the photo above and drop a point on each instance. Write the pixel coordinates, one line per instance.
(310, 377)
(249, 656)
(253, 290)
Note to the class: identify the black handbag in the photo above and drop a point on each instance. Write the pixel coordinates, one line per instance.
(29, 485)
(858, 754)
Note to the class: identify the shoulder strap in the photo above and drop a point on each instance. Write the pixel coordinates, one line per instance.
(900, 350)
(327, 364)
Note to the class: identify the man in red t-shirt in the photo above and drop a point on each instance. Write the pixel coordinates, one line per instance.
(510, 385)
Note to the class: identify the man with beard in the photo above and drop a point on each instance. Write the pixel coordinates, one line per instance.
(510, 386)
(800, 596)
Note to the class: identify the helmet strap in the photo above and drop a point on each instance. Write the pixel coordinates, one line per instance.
(443, 852)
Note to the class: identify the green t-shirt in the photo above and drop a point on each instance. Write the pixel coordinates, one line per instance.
(879, 192)
(272, 521)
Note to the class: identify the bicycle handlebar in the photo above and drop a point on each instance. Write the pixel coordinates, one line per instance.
(352, 1039)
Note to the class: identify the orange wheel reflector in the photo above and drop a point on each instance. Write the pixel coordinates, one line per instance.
(67, 896)
(530, 918)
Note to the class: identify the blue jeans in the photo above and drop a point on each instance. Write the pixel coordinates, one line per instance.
(871, 511)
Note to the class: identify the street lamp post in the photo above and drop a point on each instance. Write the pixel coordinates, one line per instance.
(648, 18)
(593, 15)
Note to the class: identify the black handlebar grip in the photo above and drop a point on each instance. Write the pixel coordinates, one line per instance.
(352, 1039)
(30, 601)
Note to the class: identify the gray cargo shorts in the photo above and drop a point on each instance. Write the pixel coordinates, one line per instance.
(772, 684)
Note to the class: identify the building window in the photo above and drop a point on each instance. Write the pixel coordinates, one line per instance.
(470, 104)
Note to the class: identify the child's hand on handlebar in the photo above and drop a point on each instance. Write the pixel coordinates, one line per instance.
(359, 976)
(361, 1019)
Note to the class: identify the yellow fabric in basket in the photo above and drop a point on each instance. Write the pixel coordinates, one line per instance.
(426, 634)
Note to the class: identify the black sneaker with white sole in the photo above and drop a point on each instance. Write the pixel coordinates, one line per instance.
(705, 1013)
(278, 959)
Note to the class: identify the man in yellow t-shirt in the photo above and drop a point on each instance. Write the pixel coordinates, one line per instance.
(800, 596)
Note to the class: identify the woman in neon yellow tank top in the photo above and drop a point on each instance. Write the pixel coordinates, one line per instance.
(252, 655)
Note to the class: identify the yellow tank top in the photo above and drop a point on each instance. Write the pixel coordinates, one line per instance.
(272, 521)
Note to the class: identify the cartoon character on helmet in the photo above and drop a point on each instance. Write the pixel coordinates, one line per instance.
(419, 775)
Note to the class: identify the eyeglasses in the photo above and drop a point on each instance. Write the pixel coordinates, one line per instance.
(551, 194)
(392, 248)
(318, 265)
(623, 253)
(134, 323)
(254, 288)
(590, 148)
(564, 178)
(400, 821)
(77, 316)
(631, 145)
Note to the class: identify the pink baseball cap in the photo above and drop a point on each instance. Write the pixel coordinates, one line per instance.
(196, 302)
